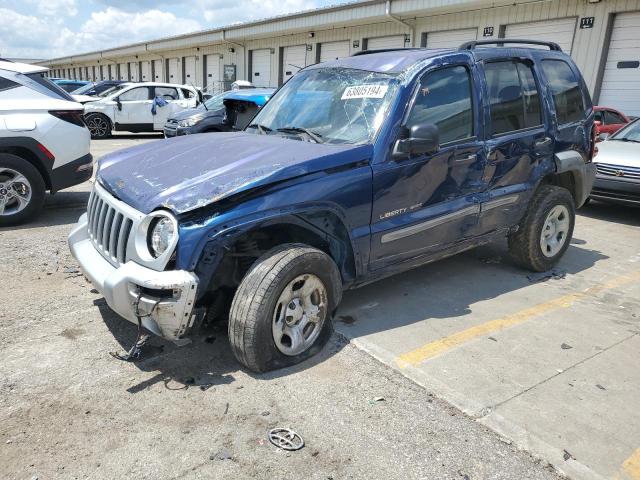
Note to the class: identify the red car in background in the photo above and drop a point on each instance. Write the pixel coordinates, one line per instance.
(609, 120)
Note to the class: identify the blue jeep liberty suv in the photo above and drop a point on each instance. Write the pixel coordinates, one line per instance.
(355, 170)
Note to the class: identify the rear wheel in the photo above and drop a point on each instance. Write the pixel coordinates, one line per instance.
(22, 190)
(99, 125)
(281, 312)
(545, 231)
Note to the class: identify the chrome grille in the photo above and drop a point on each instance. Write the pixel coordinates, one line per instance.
(109, 228)
(618, 170)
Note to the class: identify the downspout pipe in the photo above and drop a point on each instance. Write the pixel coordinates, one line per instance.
(390, 16)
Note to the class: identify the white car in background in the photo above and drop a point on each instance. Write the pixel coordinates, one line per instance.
(44, 142)
(618, 167)
(138, 107)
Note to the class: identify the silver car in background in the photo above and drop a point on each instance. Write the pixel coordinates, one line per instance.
(618, 167)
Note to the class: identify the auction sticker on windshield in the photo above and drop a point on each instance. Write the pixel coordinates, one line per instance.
(365, 91)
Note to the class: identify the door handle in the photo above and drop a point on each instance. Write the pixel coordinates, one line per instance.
(543, 142)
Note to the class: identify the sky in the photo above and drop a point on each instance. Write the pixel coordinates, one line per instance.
(55, 28)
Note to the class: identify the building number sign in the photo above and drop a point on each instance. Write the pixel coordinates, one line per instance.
(587, 22)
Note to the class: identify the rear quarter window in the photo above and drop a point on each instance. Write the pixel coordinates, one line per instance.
(566, 91)
(6, 84)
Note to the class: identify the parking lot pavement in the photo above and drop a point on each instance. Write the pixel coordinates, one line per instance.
(68, 409)
(551, 365)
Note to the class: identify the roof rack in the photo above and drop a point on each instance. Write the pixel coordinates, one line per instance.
(473, 44)
(382, 50)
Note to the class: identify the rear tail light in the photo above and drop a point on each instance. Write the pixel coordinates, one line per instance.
(72, 116)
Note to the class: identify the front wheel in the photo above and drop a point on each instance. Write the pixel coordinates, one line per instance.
(545, 231)
(99, 125)
(281, 312)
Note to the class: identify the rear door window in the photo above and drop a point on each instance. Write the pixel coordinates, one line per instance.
(513, 97)
(168, 93)
(444, 99)
(565, 87)
(613, 118)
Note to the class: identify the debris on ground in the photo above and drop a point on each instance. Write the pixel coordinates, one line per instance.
(566, 346)
(600, 387)
(346, 319)
(266, 413)
(70, 270)
(554, 273)
(376, 400)
(221, 455)
(285, 438)
(566, 455)
(492, 260)
(493, 338)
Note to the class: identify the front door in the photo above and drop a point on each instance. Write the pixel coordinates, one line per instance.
(174, 103)
(134, 110)
(427, 203)
(518, 141)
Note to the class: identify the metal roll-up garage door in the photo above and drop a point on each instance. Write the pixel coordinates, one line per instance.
(293, 59)
(158, 71)
(334, 50)
(559, 31)
(190, 71)
(174, 71)
(123, 71)
(621, 80)
(395, 41)
(133, 70)
(145, 71)
(261, 67)
(212, 81)
(450, 38)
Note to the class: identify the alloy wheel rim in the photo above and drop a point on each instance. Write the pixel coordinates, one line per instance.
(555, 231)
(299, 315)
(97, 126)
(15, 191)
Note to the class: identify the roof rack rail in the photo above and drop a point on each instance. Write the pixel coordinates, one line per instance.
(382, 50)
(473, 44)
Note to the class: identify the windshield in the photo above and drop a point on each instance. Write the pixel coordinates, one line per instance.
(630, 133)
(114, 89)
(84, 89)
(214, 103)
(328, 105)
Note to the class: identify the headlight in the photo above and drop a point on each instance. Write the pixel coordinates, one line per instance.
(189, 122)
(162, 232)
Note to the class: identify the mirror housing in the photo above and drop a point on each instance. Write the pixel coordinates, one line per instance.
(118, 103)
(423, 139)
(603, 136)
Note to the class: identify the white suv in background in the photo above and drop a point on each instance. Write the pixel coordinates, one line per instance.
(136, 108)
(44, 142)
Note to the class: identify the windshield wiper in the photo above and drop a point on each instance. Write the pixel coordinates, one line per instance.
(261, 128)
(625, 139)
(316, 137)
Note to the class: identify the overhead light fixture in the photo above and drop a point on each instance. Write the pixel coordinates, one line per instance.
(311, 34)
(232, 50)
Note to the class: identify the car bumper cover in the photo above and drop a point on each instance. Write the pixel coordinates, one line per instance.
(619, 190)
(165, 299)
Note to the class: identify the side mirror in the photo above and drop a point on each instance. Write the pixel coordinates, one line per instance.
(423, 140)
(603, 136)
(118, 103)
(598, 123)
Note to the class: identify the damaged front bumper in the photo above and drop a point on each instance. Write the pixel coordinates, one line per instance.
(165, 300)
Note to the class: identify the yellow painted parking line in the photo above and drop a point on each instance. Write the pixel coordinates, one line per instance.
(631, 466)
(437, 347)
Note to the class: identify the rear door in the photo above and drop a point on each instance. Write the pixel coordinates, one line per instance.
(173, 99)
(135, 111)
(426, 203)
(517, 140)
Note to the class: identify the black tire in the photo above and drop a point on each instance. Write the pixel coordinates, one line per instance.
(99, 125)
(36, 184)
(253, 307)
(525, 244)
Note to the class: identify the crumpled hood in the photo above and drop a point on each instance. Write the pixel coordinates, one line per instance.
(189, 172)
(201, 112)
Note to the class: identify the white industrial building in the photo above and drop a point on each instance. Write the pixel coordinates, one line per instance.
(603, 36)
